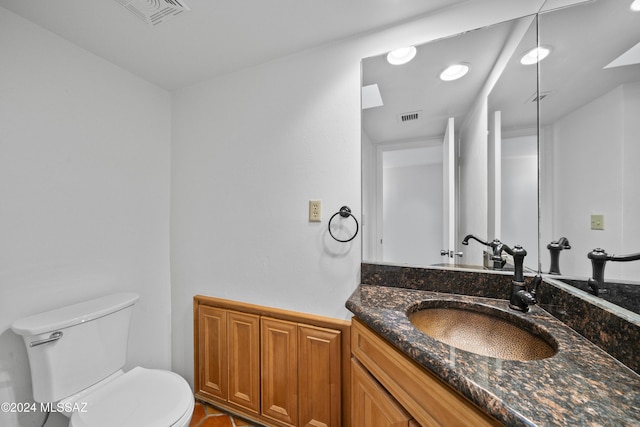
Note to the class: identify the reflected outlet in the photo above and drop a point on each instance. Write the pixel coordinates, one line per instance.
(597, 222)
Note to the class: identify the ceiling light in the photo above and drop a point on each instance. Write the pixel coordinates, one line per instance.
(454, 72)
(535, 55)
(401, 56)
(635, 6)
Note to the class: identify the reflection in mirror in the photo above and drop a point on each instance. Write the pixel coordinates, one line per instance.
(428, 179)
(590, 141)
(513, 150)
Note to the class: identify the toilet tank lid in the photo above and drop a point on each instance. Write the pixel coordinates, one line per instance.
(74, 314)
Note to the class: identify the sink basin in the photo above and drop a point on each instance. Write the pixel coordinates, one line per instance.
(483, 330)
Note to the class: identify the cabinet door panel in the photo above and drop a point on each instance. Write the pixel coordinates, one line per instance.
(244, 366)
(279, 370)
(319, 376)
(373, 406)
(212, 351)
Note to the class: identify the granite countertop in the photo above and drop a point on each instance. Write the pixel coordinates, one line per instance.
(581, 385)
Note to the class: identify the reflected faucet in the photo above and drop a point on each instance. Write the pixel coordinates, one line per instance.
(496, 245)
(599, 260)
(555, 248)
(521, 296)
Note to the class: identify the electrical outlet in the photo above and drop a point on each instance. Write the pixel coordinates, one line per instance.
(315, 210)
(597, 222)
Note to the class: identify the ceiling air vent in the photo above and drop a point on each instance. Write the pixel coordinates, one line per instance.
(537, 98)
(154, 12)
(407, 117)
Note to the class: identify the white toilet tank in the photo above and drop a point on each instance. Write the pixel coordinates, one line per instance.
(74, 347)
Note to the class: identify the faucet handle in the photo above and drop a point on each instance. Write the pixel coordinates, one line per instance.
(450, 254)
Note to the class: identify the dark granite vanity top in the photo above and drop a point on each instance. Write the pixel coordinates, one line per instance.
(581, 385)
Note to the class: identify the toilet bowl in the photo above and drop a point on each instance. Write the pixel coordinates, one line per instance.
(76, 355)
(138, 398)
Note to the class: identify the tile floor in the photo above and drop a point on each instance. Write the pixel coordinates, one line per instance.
(208, 416)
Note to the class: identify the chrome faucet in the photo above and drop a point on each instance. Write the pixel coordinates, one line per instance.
(521, 296)
(496, 245)
(555, 248)
(599, 260)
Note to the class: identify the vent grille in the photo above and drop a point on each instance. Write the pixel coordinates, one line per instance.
(154, 12)
(410, 116)
(538, 98)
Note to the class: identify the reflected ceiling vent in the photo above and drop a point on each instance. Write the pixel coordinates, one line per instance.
(538, 98)
(411, 116)
(154, 12)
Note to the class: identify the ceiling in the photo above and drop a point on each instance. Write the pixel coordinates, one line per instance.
(416, 87)
(584, 39)
(216, 36)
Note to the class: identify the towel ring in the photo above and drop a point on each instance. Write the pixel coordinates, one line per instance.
(344, 212)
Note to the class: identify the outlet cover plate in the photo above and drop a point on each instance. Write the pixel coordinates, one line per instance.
(597, 222)
(315, 210)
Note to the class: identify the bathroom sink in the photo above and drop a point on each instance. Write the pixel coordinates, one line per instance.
(483, 330)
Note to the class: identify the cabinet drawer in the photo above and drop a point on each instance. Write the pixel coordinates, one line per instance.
(372, 403)
(430, 401)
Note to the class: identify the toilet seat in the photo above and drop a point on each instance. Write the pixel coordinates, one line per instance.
(141, 398)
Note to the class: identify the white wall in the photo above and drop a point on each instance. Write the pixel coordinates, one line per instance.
(368, 165)
(251, 148)
(520, 195)
(84, 195)
(413, 214)
(630, 180)
(595, 152)
(474, 181)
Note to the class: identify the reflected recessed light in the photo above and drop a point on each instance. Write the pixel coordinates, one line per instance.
(454, 72)
(401, 56)
(535, 55)
(635, 6)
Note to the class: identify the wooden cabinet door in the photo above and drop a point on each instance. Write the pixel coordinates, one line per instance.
(244, 360)
(319, 376)
(279, 370)
(212, 352)
(372, 405)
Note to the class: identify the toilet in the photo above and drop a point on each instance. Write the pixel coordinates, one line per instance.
(76, 354)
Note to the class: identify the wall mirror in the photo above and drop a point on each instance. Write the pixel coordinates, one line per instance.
(588, 146)
(590, 137)
(443, 159)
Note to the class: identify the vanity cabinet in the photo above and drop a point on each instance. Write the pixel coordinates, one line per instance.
(385, 381)
(372, 404)
(276, 367)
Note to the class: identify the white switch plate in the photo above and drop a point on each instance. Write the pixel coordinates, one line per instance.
(315, 210)
(597, 222)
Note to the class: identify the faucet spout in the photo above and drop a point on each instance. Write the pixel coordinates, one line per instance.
(495, 245)
(466, 239)
(599, 260)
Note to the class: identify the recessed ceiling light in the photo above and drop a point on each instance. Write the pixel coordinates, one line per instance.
(635, 6)
(454, 72)
(535, 55)
(401, 56)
